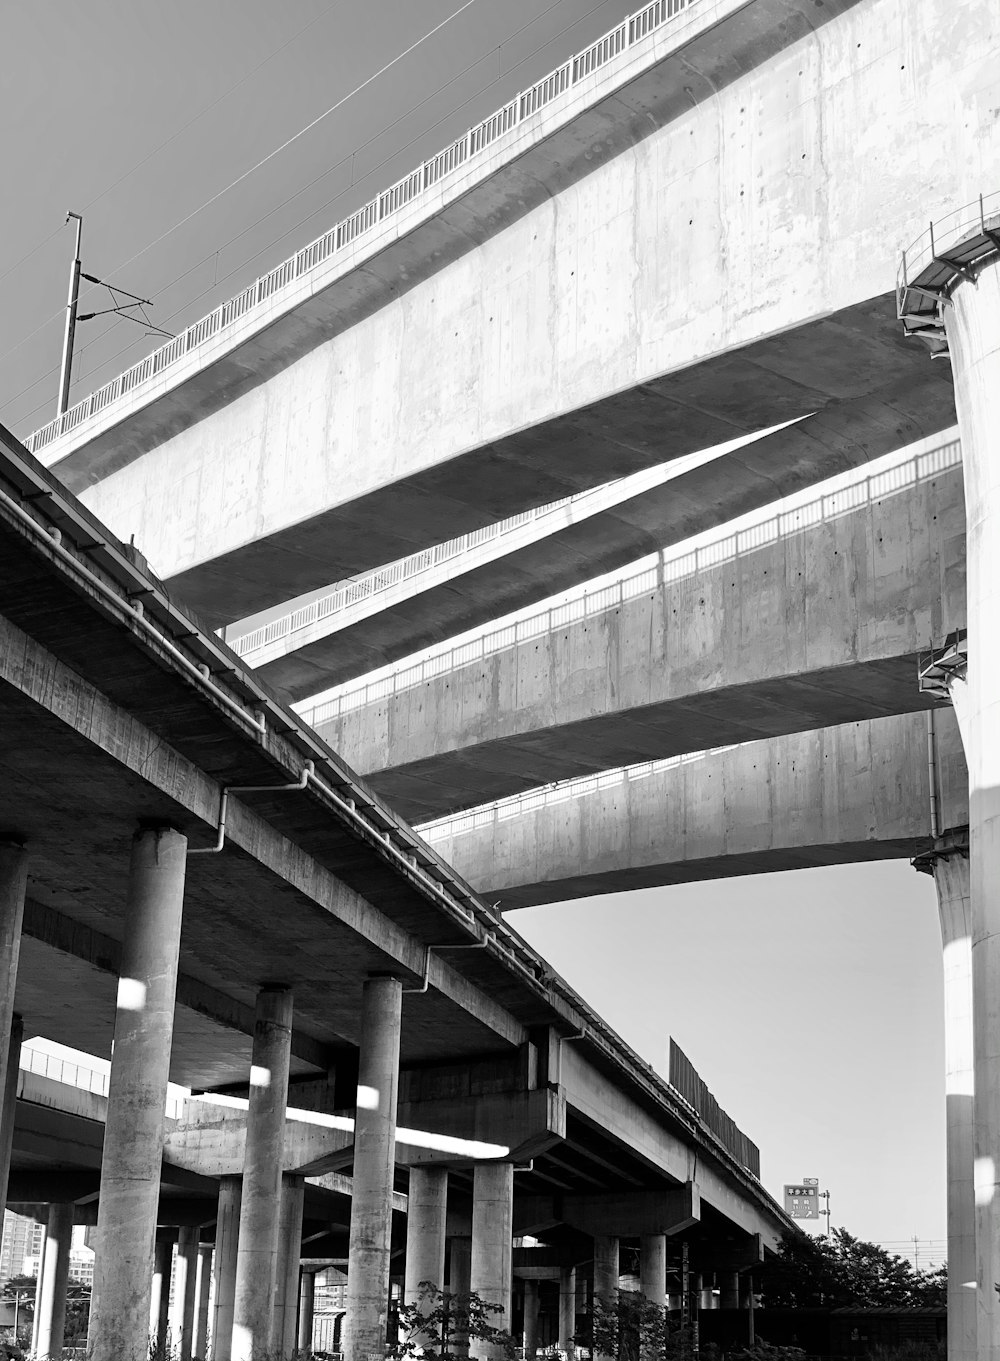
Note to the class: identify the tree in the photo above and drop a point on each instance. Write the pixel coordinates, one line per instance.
(842, 1270)
(438, 1321)
(630, 1327)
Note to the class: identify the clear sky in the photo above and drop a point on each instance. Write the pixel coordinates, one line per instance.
(810, 1002)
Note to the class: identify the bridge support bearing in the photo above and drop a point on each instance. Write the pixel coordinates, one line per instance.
(653, 1268)
(257, 1252)
(374, 1166)
(948, 861)
(426, 1223)
(137, 1094)
(227, 1231)
(974, 344)
(286, 1281)
(492, 1244)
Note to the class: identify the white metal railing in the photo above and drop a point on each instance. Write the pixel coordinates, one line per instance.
(77, 1075)
(384, 206)
(380, 579)
(648, 574)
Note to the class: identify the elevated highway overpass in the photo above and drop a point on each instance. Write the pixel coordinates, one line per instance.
(117, 712)
(559, 311)
(843, 795)
(809, 618)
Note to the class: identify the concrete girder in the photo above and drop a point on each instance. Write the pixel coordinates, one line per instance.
(416, 615)
(786, 320)
(616, 1214)
(810, 619)
(852, 793)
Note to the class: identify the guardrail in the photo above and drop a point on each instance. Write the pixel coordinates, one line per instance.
(369, 584)
(954, 248)
(78, 1076)
(384, 206)
(651, 573)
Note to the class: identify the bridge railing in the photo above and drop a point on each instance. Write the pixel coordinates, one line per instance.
(79, 1076)
(649, 574)
(383, 207)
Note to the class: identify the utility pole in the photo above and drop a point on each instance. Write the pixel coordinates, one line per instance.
(71, 306)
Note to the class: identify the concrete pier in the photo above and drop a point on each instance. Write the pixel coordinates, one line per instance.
(159, 1301)
(567, 1310)
(137, 1093)
(227, 1235)
(426, 1210)
(374, 1165)
(184, 1304)
(975, 355)
(730, 1296)
(12, 1058)
(653, 1268)
(286, 1277)
(203, 1292)
(13, 882)
(50, 1309)
(606, 1267)
(257, 1253)
(529, 1336)
(307, 1308)
(491, 1266)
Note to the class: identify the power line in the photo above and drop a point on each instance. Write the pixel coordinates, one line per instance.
(263, 161)
(329, 202)
(172, 138)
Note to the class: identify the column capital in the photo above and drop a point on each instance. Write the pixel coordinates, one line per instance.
(953, 842)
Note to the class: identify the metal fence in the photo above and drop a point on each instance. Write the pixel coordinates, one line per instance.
(384, 206)
(77, 1075)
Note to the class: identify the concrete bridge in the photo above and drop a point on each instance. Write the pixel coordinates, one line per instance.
(687, 234)
(365, 1010)
(670, 252)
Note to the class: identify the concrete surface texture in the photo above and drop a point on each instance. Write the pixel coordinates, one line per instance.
(811, 619)
(643, 311)
(829, 796)
(975, 357)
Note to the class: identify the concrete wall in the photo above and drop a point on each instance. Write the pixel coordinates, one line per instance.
(784, 197)
(850, 793)
(819, 624)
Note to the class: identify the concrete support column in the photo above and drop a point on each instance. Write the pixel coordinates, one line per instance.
(529, 1336)
(426, 1213)
(184, 1305)
(460, 1265)
(606, 1268)
(159, 1301)
(374, 1166)
(13, 881)
(202, 1291)
(747, 1303)
(653, 1268)
(227, 1235)
(137, 1093)
(491, 1274)
(567, 1310)
(257, 1253)
(9, 1107)
(307, 1308)
(286, 1281)
(951, 879)
(974, 343)
(50, 1309)
(730, 1297)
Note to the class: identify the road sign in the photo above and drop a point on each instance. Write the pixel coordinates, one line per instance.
(802, 1201)
(810, 1181)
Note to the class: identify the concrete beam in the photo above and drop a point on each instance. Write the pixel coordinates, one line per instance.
(617, 1214)
(809, 619)
(840, 795)
(768, 315)
(471, 591)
